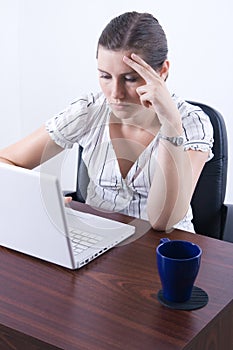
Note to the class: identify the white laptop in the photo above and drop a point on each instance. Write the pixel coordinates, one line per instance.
(35, 221)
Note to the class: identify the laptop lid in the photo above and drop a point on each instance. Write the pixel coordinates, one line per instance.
(34, 221)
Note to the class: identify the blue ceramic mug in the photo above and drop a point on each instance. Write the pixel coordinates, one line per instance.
(178, 265)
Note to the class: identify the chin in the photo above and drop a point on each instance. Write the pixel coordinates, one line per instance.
(125, 111)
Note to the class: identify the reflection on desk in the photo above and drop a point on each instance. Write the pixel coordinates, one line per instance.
(111, 303)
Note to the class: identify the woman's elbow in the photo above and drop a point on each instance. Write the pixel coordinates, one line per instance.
(160, 226)
(166, 221)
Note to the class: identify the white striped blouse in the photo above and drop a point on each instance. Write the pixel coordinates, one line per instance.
(86, 122)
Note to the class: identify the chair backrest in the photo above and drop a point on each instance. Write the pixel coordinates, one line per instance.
(208, 197)
(82, 178)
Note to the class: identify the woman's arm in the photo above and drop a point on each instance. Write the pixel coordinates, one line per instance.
(173, 184)
(31, 151)
(177, 170)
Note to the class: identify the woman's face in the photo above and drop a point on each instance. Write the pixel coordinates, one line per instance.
(119, 82)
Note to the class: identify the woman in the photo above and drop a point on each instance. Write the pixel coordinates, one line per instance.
(144, 148)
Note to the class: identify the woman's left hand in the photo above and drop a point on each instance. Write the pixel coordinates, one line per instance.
(155, 93)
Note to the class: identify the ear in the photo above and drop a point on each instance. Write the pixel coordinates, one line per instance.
(165, 70)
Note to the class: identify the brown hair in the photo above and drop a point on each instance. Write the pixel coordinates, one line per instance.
(137, 32)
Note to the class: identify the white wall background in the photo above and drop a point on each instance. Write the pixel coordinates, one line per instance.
(47, 57)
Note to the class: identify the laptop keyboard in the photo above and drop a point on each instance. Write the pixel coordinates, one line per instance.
(83, 240)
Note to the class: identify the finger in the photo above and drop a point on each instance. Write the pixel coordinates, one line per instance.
(140, 61)
(145, 103)
(142, 71)
(144, 96)
(140, 66)
(145, 100)
(142, 89)
(67, 200)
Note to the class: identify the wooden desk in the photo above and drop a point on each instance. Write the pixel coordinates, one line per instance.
(111, 303)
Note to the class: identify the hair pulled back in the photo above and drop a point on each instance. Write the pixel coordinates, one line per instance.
(136, 32)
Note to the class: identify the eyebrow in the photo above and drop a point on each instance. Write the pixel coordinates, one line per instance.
(126, 73)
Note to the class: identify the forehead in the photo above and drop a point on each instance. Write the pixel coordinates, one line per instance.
(112, 61)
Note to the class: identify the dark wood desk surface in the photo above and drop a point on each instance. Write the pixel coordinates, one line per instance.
(111, 303)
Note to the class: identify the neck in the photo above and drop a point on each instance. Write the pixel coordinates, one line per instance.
(147, 121)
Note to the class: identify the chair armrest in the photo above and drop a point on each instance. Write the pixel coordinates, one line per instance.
(228, 227)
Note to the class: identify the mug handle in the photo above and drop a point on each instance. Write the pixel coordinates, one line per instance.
(164, 240)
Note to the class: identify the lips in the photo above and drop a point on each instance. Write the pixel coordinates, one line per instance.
(120, 106)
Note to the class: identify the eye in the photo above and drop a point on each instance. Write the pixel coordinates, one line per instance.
(130, 78)
(105, 76)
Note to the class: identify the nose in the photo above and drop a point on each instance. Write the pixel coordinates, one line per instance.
(118, 90)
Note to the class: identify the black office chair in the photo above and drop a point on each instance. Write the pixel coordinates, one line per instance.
(211, 217)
